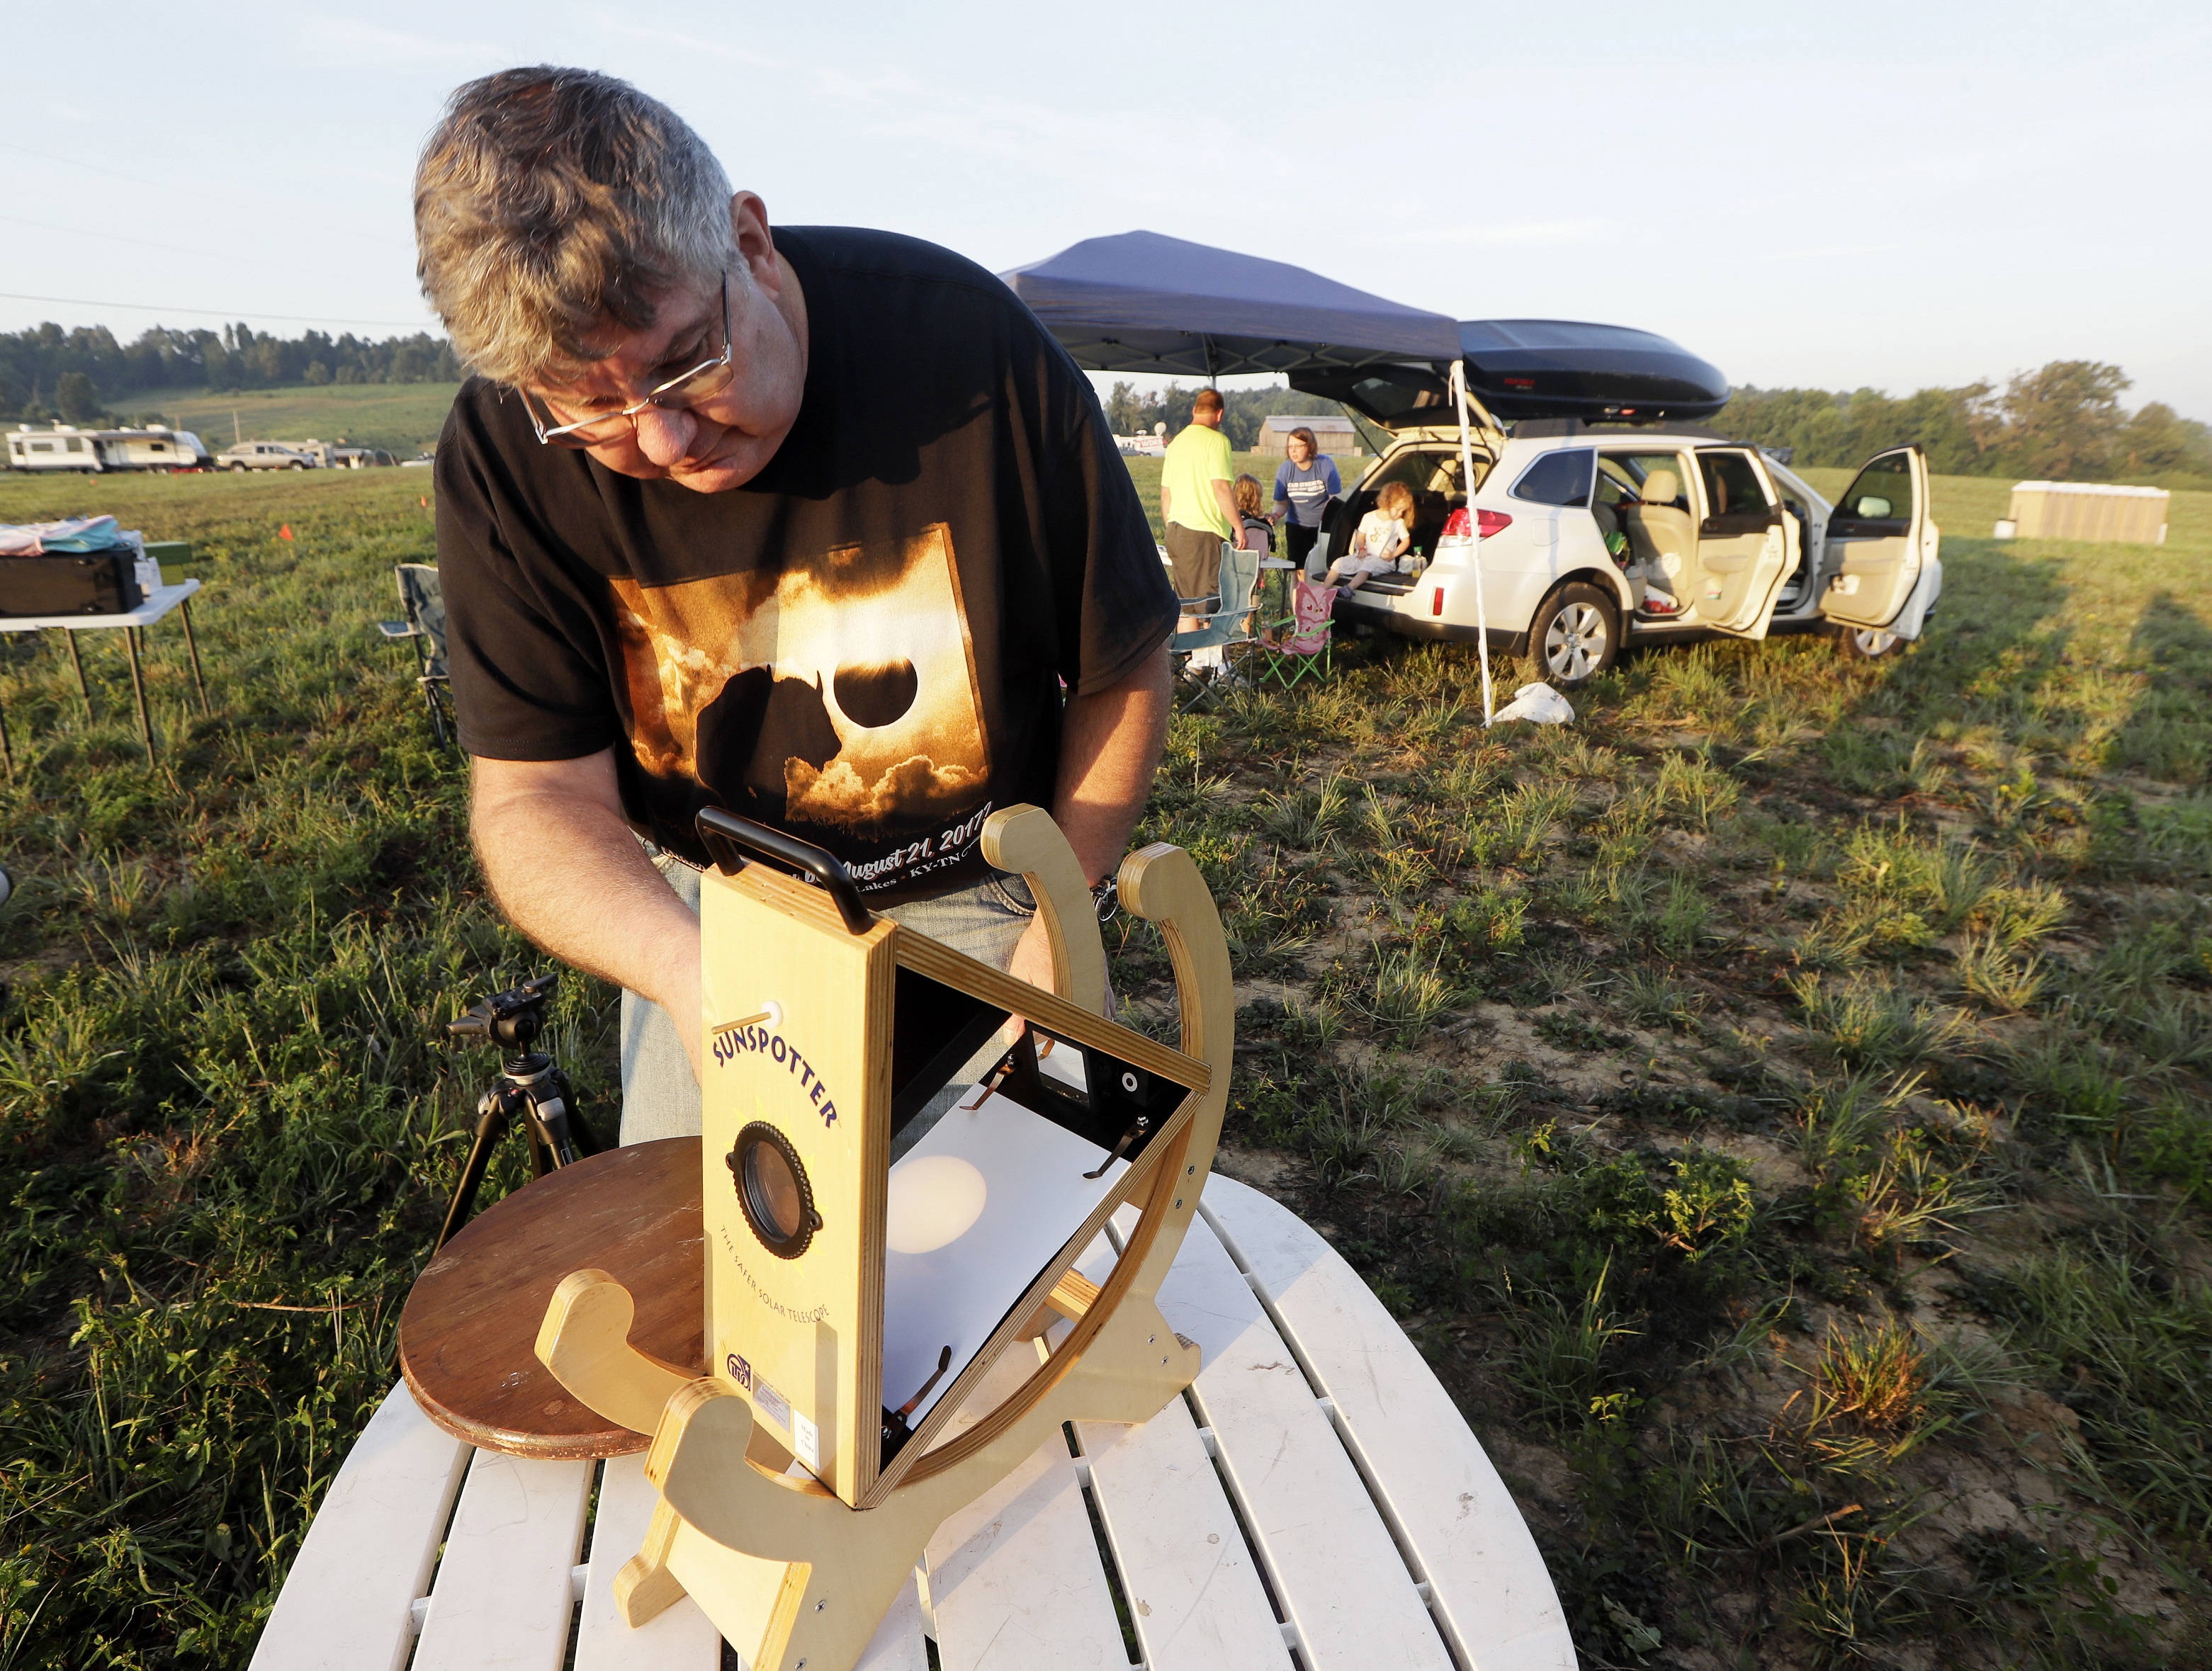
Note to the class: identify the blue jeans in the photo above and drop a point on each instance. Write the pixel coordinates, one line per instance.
(660, 1097)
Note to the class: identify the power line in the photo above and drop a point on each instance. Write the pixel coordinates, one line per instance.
(239, 313)
(256, 262)
(189, 191)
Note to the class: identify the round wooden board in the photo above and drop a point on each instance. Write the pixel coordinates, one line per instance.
(468, 1336)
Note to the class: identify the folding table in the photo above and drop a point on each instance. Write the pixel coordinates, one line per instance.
(158, 604)
(1315, 1500)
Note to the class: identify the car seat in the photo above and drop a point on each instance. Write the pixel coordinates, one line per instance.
(1608, 528)
(1656, 527)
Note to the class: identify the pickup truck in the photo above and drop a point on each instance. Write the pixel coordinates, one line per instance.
(263, 455)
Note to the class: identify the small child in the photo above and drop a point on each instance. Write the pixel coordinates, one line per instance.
(1254, 532)
(1383, 536)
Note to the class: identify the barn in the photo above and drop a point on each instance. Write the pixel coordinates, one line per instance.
(1336, 435)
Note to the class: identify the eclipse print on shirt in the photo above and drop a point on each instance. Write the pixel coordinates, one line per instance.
(841, 693)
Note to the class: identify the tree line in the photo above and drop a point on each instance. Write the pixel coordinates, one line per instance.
(2062, 423)
(48, 372)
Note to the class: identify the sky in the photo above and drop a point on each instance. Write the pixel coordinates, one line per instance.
(1884, 195)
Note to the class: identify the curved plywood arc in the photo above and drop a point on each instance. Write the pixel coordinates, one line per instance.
(1025, 840)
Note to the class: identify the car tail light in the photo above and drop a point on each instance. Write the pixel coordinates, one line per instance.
(1437, 603)
(1492, 522)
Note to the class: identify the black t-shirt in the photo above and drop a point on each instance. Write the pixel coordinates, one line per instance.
(866, 644)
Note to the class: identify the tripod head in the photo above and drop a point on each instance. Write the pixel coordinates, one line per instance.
(531, 1088)
(511, 1020)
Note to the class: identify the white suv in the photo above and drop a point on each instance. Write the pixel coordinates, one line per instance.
(1565, 511)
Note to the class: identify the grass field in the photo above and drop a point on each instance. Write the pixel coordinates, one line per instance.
(1776, 1103)
(403, 419)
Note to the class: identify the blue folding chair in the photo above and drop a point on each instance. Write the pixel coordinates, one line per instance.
(1227, 621)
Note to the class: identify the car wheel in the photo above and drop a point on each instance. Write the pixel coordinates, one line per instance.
(237, 469)
(1575, 636)
(1870, 643)
(295, 465)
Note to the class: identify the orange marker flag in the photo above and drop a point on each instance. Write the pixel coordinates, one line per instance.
(284, 532)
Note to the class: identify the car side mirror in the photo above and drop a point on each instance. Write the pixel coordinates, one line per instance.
(1871, 506)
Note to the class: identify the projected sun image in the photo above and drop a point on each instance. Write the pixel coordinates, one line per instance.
(854, 673)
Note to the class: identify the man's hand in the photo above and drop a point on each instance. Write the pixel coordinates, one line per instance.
(1033, 963)
(568, 873)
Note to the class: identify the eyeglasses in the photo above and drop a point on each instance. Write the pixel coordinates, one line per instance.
(702, 382)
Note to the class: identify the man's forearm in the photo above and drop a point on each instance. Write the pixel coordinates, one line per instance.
(1109, 744)
(569, 874)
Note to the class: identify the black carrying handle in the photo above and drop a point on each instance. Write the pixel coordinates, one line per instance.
(725, 833)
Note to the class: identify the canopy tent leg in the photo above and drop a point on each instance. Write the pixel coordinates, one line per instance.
(1466, 482)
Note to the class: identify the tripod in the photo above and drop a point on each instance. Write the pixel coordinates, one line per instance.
(530, 1088)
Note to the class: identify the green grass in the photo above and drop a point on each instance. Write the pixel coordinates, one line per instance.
(1776, 1103)
(226, 1123)
(403, 419)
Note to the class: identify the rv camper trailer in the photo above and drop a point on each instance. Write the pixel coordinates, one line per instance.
(92, 451)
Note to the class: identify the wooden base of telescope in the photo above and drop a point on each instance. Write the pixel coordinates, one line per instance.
(840, 1568)
(468, 1338)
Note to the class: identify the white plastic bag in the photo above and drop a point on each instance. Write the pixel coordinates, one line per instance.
(1539, 704)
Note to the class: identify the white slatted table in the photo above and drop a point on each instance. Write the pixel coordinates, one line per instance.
(1316, 1493)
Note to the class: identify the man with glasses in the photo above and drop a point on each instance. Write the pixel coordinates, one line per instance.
(817, 525)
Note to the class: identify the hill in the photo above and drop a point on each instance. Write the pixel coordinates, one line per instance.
(403, 418)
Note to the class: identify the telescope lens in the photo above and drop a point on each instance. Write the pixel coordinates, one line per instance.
(773, 1190)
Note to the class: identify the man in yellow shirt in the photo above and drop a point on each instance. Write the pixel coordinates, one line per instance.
(1198, 502)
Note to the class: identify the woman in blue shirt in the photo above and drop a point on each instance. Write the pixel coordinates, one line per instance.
(1305, 484)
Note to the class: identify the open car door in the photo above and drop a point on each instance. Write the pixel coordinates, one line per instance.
(1744, 545)
(1880, 557)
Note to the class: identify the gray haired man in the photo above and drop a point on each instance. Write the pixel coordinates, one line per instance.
(818, 525)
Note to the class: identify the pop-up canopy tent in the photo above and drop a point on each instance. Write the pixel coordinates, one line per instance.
(1143, 302)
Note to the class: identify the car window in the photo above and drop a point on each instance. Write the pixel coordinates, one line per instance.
(1420, 471)
(1557, 478)
(1881, 493)
(1634, 469)
(1732, 486)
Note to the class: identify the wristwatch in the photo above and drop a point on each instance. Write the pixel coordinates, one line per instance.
(1106, 899)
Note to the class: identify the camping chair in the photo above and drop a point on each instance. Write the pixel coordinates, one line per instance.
(1228, 618)
(1301, 638)
(423, 604)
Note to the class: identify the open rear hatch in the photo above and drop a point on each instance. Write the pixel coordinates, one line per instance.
(1535, 368)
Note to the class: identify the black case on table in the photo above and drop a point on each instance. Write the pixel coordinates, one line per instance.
(71, 583)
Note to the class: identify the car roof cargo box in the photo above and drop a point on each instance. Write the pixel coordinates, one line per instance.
(1538, 368)
(1528, 368)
